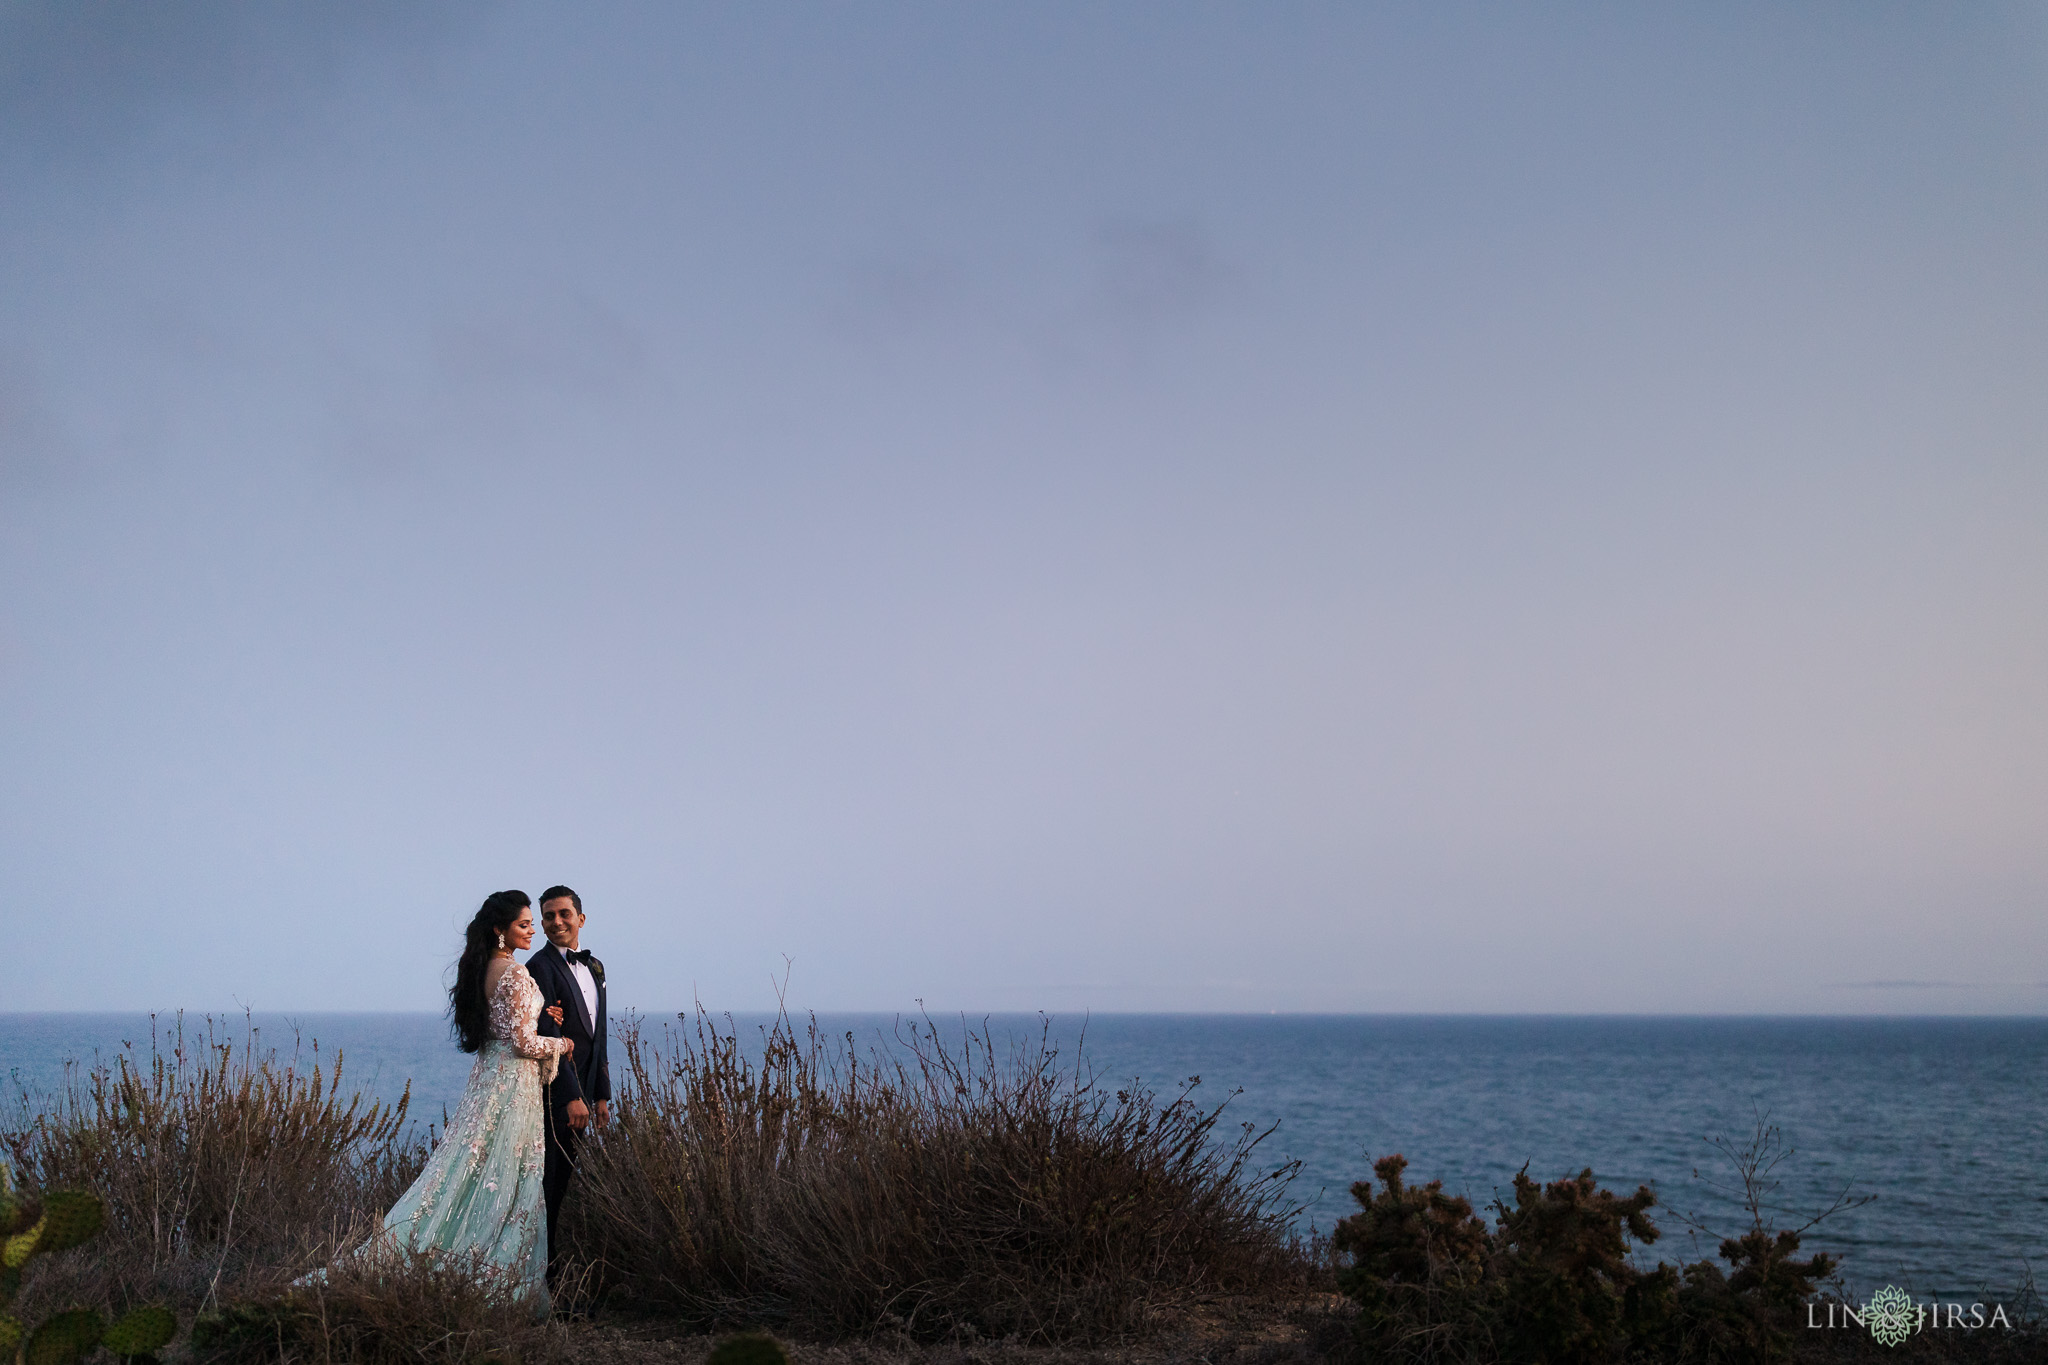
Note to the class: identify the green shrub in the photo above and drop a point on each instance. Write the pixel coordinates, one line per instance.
(1551, 1281)
(1416, 1255)
(1752, 1313)
(1408, 1234)
(1561, 1255)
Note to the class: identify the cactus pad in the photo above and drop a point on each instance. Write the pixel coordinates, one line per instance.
(16, 1250)
(10, 1334)
(63, 1338)
(142, 1331)
(70, 1217)
(19, 1216)
(748, 1348)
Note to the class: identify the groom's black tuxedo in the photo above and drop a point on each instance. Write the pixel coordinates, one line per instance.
(587, 1078)
(583, 1076)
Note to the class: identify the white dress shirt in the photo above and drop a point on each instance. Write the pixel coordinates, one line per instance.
(586, 983)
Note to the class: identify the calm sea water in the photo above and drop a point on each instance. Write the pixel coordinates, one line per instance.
(1945, 1120)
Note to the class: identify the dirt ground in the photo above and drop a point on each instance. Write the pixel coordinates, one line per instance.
(1217, 1332)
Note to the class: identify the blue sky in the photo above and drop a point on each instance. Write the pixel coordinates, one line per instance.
(1214, 507)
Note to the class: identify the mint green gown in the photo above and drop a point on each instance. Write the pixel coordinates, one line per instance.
(479, 1197)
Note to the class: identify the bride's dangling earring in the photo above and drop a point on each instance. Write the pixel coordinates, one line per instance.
(501, 943)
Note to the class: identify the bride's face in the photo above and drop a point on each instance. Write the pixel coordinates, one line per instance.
(519, 933)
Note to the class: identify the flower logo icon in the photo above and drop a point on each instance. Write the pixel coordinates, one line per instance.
(1891, 1315)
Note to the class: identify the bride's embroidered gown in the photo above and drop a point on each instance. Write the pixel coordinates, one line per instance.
(480, 1194)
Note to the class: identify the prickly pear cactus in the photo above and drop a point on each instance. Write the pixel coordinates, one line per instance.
(142, 1331)
(64, 1219)
(21, 1242)
(71, 1218)
(63, 1338)
(748, 1348)
(14, 1216)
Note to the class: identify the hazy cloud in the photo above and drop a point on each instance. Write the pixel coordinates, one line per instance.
(76, 79)
(1937, 985)
(1158, 274)
(566, 345)
(890, 297)
(34, 453)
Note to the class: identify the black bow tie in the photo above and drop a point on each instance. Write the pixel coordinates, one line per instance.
(579, 955)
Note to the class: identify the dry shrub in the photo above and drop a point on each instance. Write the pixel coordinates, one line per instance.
(223, 1167)
(403, 1309)
(926, 1190)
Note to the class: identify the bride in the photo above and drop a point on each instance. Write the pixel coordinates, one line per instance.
(480, 1194)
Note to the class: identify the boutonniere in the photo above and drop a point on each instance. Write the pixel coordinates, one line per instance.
(596, 970)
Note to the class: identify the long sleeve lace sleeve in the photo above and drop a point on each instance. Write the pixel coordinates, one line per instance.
(514, 1014)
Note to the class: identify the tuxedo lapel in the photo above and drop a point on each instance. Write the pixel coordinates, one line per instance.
(559, 980)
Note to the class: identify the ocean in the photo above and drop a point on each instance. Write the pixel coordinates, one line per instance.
(1945, 1120)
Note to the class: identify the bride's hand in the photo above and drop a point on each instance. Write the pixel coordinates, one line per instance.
(554, 1012)
(570, 1050)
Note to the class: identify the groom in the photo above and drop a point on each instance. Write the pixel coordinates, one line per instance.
(570, 977)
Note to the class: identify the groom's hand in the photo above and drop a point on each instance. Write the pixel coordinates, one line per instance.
(604, 1113)
(579, 1115)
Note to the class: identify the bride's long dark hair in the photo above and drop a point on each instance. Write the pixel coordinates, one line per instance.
(483, 937)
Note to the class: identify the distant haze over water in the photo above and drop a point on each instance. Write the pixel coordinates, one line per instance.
(1943, 1118)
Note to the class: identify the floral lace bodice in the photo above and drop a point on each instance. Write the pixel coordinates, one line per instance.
(515, 1011)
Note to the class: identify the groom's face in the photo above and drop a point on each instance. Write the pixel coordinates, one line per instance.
(561, 921)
